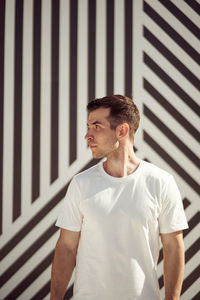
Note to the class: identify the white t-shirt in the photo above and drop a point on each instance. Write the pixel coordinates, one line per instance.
(120, 220)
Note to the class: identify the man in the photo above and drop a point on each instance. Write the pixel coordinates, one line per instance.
(113, 215)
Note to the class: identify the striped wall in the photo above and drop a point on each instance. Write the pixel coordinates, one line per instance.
(54, 56)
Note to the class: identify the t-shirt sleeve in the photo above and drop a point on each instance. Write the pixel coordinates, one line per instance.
(70, 216)
(172, 216)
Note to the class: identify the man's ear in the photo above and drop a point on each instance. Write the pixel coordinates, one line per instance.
(122, 130)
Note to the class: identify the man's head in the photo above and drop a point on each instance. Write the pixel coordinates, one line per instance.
(122, 110)
(112, 121)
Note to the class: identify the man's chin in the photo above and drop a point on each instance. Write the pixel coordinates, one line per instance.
(97, 155)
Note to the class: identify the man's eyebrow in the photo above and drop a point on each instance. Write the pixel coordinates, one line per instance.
(94, 123)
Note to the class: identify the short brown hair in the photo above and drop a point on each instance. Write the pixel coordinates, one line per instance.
(122, 109)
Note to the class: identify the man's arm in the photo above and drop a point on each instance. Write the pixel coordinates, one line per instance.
(174, 260)
(63, 263)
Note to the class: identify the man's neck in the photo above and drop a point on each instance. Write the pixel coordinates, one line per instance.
(122, 163)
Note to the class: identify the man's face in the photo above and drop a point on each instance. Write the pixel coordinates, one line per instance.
(101, 138)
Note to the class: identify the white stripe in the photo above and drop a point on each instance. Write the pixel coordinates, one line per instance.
(119, 40)
(171, 97)
(27, 105)
(191, 291)
(171, 122)
(137, 66)
(171, 148)
(82, 91)
(185, 58)
(45, 96)
(8, 133)
(171, 71)
(175, 23)
(64, 87)
(187, 10)
(100, 85)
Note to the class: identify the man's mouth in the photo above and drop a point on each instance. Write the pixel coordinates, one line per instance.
(92, 146)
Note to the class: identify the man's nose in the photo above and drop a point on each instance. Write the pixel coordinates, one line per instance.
(88, 136)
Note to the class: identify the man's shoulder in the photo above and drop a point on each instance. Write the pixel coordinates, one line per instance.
(152, 170)
(88, 173)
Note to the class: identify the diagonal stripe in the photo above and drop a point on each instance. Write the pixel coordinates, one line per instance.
(33, 222)
(174, 165)
(190, 279)
(69, 293)
(91, 49)
(27, 254)
(186, 203)
(192, 250)
(18, 290)
(168, 107)
(194, 221)
(171, 57)
(73, 80)
(18, 110)
(2, 34)
(38, 217)
(36, 100)
(54, 89)
(181, 17)
(196, 297)
(128, 47)
(42, 292)
(110, 46)
(171, 32)
(194, 5)
(171, 83)
(170, 135)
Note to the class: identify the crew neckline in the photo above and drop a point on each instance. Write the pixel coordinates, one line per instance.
(120, 179)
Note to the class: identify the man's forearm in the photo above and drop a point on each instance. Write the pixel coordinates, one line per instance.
(173, 272)
(62, 268)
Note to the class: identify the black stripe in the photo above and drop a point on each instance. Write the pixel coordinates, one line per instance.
(38, 217)
(170, 135)
(181, 17)
(18, 110)
(161, 282)
(168, 159)
(42, 293)
(171, 32)
(194, 5)
(110, 46)
(91, 49)
(36, 100)
(191, 279)
(194, 221)
(54, 89)
(197, 296)
(171, 57)
(2, 35)
(73, 80)
(33, 222)
(192, 250)
(186, 203)
(171, 83)
(24, 257)
(128, 46)
(168, 107)
(69, 293)
(34, 274)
